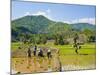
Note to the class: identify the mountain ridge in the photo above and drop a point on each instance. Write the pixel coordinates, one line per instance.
(41, 25)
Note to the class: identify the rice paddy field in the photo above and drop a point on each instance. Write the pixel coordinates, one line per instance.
(63, 58)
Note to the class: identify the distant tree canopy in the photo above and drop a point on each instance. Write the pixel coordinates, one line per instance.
(91, 35)
(59, 40)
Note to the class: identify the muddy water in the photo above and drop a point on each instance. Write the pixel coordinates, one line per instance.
(36, 64)
(33, 65)
(29, 65)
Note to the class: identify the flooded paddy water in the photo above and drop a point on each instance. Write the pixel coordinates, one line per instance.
(36, 64)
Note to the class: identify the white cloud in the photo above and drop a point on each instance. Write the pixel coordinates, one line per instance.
(82, 20)
(27, 13)
(67, 22)
(40, 13)
(36, 13)
(85, 20)
(45, 13)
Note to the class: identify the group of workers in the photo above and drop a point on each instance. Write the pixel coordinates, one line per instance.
(39, 53)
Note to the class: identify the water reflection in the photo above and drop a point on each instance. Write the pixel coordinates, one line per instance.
(29, 63)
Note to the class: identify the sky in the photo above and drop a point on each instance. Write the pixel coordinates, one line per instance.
(67, 13)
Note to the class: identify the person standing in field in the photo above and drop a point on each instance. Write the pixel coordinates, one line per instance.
(40, 53)
(49, 53)
(29, 53)
(35, 49)
(76, 48)
(76, 45)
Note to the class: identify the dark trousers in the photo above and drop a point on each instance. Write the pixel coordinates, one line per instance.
(29, 54)
(34, 53)
(76, 51)
(49, 54)
(40, 54)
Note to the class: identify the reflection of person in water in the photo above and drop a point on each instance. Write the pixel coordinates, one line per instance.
(29, 63)
(29, 52)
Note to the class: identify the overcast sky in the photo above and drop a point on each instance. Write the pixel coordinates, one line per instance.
(57, 12)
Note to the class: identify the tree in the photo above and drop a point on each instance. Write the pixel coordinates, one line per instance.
(44, 40)
(38, 39)
(82, 38)
(76, 38)
(56, 40)
(61, 41)
(92, 39)
(32, 39)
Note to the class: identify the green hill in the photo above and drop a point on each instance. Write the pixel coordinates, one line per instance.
(36, 25)
(82, 26)
(42, 25)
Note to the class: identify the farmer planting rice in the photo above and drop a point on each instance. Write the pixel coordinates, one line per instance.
(40, 53)
(29, 53)
(35, 49)
(49, 53)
